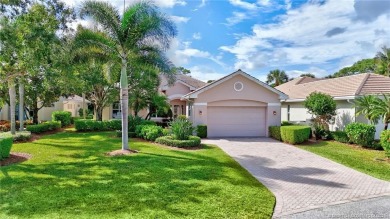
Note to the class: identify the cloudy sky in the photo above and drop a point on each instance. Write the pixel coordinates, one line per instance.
(217, 37)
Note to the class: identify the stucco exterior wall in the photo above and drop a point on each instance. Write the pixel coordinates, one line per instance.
(44, 114)
(4, 113)
(177, 91)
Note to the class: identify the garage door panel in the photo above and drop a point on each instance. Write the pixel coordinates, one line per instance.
(236, 121)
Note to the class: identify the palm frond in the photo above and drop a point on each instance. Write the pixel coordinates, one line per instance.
(94, 41)
(105, 15)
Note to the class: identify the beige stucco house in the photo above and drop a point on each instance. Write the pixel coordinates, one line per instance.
(237, 105)
(71, 104)
(344, 90)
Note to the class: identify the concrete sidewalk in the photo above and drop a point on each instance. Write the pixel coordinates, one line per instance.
(300, 180)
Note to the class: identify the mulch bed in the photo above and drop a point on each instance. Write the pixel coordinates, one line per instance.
(121, 152)
(15, 157)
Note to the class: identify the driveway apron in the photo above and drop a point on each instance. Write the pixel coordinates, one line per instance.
(300, 180)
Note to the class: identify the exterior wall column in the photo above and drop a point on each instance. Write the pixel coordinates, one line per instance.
(273, 116)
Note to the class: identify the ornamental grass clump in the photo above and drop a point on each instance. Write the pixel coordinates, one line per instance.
(181, 128)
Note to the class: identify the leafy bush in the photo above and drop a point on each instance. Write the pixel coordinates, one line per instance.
(361, 134)
(44, 127)
(201, 131)
(385, 141)
(91, 125)
(181, 128)
(119, 134)
(340, 136)
(115, 124)
(167, 131)
(64, 117)
(133, 122)
(193, 141)
(6, 141)
(274, 132)
(22, 136)
(295, 134)
(151, 132)
(286, 123)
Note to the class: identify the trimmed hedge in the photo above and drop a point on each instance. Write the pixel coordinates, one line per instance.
(385, 141)
(92, 125)
(201, 131)
(361, 134)
(295, 134)
(64, 117)
(286, 123)
(193, 141)
(340, 136)
(6, 141)
(44, 127)
(274, 132)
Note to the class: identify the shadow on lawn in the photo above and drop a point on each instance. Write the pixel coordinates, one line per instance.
(95, 184)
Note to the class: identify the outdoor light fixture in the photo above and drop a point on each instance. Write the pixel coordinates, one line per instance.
(274, 113)
(200, 112)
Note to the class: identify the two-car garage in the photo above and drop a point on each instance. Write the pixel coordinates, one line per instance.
(225, 121)
(237, 105)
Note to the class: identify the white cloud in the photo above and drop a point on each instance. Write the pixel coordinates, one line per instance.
(205, 73)
(178, 19)
(237, 18)
(298, 37)
(243, 4)
(169, 3)
(197, 36)
(202, 4)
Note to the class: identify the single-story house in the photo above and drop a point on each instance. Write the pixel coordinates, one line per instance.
(183, 84)
(71, 104)
(237, 105)
(344, 90)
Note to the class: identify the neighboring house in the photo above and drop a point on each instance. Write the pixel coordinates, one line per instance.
(344, 90)
(183, 84)
(237, 105)
(71, 104)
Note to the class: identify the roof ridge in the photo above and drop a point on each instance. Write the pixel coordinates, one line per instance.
(362, 83)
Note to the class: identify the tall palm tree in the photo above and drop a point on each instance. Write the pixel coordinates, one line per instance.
(383, 61)
(365, 106)
(140, 28)
(276, 77)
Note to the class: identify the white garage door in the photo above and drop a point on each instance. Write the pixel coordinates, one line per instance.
(235, 121)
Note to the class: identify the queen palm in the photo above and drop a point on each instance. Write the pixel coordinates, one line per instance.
(383, 61)
(365, 106)
(140, 28)
(382, 110)
(276, 77)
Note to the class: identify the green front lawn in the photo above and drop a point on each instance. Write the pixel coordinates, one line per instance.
(371, 162)
(70, 177)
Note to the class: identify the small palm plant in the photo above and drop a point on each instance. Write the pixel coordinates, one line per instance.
(182, 128)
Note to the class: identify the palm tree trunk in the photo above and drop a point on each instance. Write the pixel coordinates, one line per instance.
(124, 104)
(21, 105)
(84, 116)
(12, 100)
(386, 126)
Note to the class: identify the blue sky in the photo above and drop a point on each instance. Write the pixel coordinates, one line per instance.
(217, 37)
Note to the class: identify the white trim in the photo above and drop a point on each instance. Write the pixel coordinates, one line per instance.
(175, 96)
(274, 104)
(195, 93)
(335, 98)
(200, 104)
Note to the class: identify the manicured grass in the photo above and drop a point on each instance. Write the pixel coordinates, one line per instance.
(371, 162)
(70, 177)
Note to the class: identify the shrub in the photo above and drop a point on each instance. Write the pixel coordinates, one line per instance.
(133, 122)
(44, 127)
(201, 131)
(151, 132)
(22, 136)
(64, 117)
(361, 134)
(286, 123)
(295, 134)
(6, 141)
(181, 128)
(274, 132)
(115, 124)
(166, 131)
(92, 125)
(385, 141)
(340, 136)
(193, 141)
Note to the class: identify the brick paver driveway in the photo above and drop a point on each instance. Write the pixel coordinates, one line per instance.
(299, 179)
